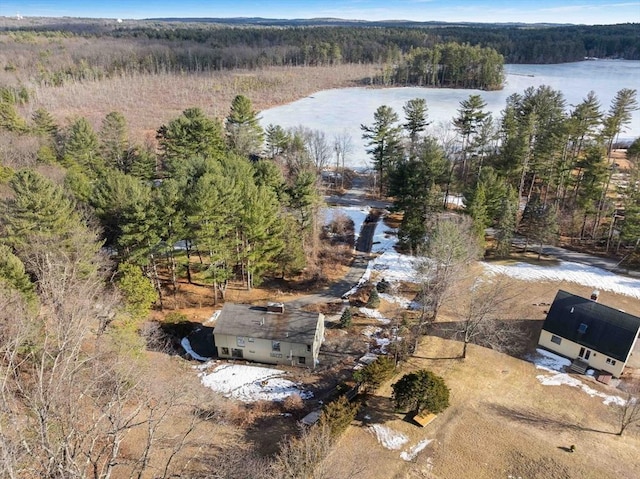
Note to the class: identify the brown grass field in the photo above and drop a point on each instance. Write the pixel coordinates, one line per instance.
(149, 101)
(502, 422)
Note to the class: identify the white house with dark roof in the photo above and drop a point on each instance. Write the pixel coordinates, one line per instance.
(270, 334)
(592, 334)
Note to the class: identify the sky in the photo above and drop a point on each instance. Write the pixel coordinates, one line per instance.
(527, 11)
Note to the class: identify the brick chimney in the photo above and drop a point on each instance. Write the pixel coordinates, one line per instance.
(275, 308)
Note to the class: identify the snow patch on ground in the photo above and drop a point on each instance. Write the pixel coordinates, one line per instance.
(214, 317)
(387, 437)
(555, 364)
(597, 278)
(395, 267)
(357, 214)
(411, 453)
(251, 383)
(371, 331)
(549, 361)
(382, 342)
(563, 378)
(400, 301)
(384, 238)
(375, 314)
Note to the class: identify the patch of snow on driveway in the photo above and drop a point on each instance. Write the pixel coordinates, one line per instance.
(251, 383)
(387, 437)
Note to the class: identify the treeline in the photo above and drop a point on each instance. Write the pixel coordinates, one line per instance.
(518, 44)
(374, 41)
(162, 47)
(541, 169)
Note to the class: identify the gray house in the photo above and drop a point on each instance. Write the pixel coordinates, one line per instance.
(591, 334)
(270, 334)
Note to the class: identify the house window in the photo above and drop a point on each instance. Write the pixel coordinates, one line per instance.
(225, 351)
(611, 361)
(302, 360)
(308, 348)
(582, 328)
(251, 340)
(556, 339)
(240, 341)
(275, 345)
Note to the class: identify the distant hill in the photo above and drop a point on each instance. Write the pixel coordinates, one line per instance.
(340, 22)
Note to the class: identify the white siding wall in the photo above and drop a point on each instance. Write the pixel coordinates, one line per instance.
(261, 350)
(571, 350)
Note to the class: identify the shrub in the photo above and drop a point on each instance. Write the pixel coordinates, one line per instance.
(175, 317)
(374, 299)
(383, 286)
(421, 391)
(337, 415)
(374, 374)
(293, 403)
(345, 319)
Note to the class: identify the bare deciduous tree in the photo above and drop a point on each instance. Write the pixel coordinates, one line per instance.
(303, 456)
(451, 247)
(629, 412)
(342, 146)
(484, 311)
(318, 147)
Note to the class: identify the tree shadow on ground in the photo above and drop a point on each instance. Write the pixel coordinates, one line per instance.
(540, 420)
(376, 409)
(267, 433)
(523, 336)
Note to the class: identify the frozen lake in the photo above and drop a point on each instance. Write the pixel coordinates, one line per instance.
(344, 110)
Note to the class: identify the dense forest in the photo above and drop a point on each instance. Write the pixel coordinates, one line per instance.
(542, 170)
(166, 46)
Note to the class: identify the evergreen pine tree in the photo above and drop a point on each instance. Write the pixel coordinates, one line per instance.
(345, 318)
(244, 133)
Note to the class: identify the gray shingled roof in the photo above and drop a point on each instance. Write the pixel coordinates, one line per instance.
(256, 322)
(592, 325)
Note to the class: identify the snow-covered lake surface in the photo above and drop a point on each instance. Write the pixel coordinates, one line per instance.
(344, 110)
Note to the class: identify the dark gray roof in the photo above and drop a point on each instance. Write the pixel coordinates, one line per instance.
(592, 325)
(256, 322)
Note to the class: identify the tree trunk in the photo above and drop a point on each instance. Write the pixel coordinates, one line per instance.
(188, 250)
